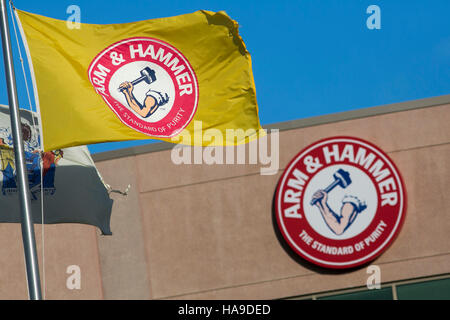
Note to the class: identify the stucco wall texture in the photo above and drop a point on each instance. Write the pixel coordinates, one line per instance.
(208, 231)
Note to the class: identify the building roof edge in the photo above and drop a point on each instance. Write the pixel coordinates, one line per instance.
(294, 124)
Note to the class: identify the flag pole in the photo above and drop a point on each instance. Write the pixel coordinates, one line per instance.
(29, 241)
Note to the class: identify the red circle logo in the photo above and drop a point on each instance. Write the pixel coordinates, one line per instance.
(340, 202)
(148, 84)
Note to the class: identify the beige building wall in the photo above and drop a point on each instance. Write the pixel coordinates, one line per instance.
(64, 245)
(208, 231)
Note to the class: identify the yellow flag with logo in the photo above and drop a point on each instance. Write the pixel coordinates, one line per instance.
(185, 79)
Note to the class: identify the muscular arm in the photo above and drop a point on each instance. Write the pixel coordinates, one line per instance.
(337, 223)
(145, 110)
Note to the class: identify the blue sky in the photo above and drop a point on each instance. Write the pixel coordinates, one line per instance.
(309, 57)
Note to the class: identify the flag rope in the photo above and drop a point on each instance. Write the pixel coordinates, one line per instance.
(41, 162)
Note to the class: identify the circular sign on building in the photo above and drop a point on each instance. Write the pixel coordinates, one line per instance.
(340, 202)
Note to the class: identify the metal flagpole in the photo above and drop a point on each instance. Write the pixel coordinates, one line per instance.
(29, 241)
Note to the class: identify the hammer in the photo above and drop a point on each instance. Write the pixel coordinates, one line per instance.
(341, 178)
(147, 75)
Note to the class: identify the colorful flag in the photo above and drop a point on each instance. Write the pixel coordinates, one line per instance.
(72, 188)
(170, 77)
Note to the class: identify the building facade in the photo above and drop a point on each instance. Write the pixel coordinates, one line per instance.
(208, 231)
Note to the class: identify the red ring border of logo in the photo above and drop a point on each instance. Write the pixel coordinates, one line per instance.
(94, 61)
(383, 247)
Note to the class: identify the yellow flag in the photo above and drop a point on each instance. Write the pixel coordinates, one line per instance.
(185, 79)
